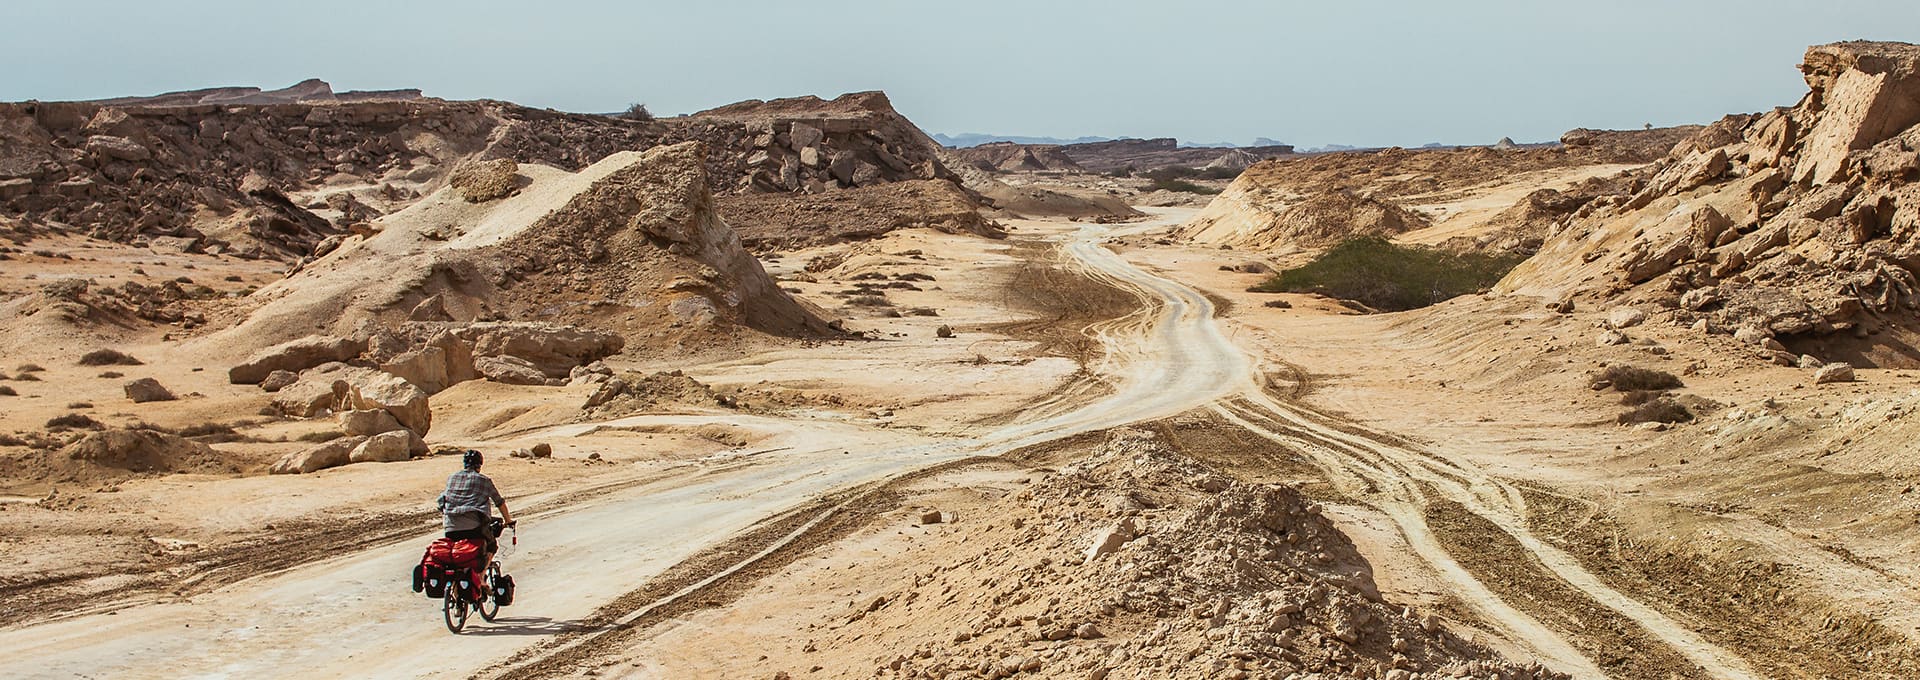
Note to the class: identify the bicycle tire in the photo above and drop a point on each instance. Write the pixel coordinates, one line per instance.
(455, 610)
(489, 607)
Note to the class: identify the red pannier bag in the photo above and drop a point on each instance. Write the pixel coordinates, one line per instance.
(447, 554)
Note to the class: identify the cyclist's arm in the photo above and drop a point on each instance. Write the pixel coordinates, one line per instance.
(505, 514)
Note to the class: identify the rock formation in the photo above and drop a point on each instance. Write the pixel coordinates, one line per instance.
(1796, 225)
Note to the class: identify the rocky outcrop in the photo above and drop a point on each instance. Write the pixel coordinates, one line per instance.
(552, 350)
(1800, 224)
(340, 388)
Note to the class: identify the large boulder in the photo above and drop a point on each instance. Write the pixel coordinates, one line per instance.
(296, 355)
(380, 390)
(443, 362)
(147, 389)
(369, 422)
(554, 349)
(329, 454)
(388, 447)
(510, 370)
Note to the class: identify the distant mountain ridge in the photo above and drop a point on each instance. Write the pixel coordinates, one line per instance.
(971, 139)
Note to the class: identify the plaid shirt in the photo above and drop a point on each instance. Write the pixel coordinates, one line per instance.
(468, 501)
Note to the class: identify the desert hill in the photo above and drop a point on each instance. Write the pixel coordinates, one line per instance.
(272, 174)
(1450, 192)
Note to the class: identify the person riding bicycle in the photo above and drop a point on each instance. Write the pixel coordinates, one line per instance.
(466, 502)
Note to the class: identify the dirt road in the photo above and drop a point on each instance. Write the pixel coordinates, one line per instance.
(352, 615)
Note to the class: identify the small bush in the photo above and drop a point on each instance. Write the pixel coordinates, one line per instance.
(1384, 275)
(638, 112)
(1624, 378)
(6, 391)
(321, 436)
(11, 440)
(112, 374)
(108, 357)
(869, 301)
(28, 368)
(80, 405)
(27, 377)
(74, 421)
(1661, 410)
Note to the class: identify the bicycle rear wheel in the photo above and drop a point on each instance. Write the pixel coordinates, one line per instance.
(455, 609)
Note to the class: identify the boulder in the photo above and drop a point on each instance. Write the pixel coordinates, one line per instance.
(1832, 373)
(510, 370)
(1625, 317)
(117, 148)
(325, 455)
(278, 379)
(541, 450)
(389, 447)
(1111, 538)
(482, 181)
(296, 355)
(147, 389)
(367, 390)
(367, 423)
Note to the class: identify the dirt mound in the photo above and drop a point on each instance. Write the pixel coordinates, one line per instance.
(801, 220)
(110, 455)
(1314, 221)
(1138, 562)
(1798, 224)
(631, 245)
(631, 393)
(1011, 157)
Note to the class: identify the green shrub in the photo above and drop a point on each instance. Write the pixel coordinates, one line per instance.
(1170, 184)
(638, 112)
(1384, 275)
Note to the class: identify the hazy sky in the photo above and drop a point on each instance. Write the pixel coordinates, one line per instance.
(1353, 72)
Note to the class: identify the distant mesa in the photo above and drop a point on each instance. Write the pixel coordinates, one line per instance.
(309, 91)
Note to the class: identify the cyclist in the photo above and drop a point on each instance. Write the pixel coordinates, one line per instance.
(466, 502)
